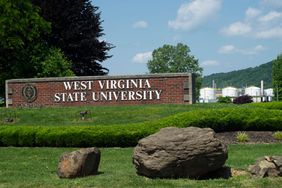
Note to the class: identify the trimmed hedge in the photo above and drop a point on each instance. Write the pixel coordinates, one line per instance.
(268, 105)
(73, 136)
(237, 119)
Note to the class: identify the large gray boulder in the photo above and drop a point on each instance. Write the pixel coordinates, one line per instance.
(268, 166)
(79, 163)
(179, 152)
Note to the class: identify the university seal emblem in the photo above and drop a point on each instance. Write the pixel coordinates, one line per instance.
(29, 93)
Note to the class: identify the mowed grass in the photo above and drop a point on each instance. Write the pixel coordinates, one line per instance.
(97, 115)
(36, 167)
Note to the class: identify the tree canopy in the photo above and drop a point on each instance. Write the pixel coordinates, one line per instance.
(277, 77)
(76, 30)
(22, 49)
(171, 59)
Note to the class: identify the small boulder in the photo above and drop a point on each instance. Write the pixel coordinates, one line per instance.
(179, 153)
(79, 163)
(268, 166)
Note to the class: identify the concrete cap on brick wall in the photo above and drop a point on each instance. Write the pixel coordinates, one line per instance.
(52, 79)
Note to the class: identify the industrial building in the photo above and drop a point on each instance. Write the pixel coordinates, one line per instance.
(210, 94)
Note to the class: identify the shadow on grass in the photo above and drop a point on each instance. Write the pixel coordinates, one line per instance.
(85, 176)
(222, 173)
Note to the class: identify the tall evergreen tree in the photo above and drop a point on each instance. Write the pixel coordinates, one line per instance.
(76, 29)
(277, 78)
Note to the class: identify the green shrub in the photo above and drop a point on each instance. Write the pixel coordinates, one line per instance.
(243, 99)
(278, 135)
(9, 136)
(229, 119)
(224, 99)
(26, 137)
(242, 137)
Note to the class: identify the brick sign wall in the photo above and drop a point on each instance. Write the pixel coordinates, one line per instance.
(101, 90)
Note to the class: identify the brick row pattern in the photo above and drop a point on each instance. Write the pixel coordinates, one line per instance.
(172, 91)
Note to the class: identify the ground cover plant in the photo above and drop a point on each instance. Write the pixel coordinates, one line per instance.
(36, 167)
(242, 137)
(278, 135)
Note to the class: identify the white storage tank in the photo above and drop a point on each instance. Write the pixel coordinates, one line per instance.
(254, 92)
(230, 92)
(207, 95)
(269, 94)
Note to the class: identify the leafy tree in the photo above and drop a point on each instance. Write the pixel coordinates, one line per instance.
(54, 64)
(172, 59)
(22, 49)
(20, 31)
(20, 24)
(76, 29)
(277, 77)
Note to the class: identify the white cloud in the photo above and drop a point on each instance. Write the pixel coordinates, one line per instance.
(271, 16)
(227, 49)
(193, 14)
(270, 33)
(273, 3)
(140, 24)
(210, 63)
(237, 28)
(269, 26)
(142, 57)
(259, 48)
(252, 51)
(252, 13)
(257, 24)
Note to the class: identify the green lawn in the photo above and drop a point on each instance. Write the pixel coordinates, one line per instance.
(109, 115)
(99, 115)
(36, 167)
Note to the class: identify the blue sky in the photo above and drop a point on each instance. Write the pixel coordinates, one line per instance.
(224, 35)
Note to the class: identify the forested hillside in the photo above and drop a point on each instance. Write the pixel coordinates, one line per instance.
(242, 78)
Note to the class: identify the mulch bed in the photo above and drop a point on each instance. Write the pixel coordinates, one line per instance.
(254, 137)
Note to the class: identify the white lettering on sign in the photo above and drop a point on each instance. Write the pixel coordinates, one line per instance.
(76, 85)
(108, 90)
(126, 95)
(124, 84)
(70, 97)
